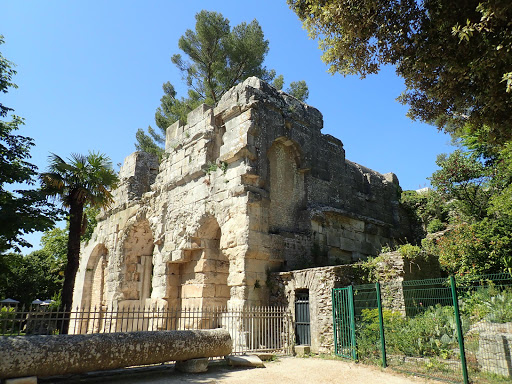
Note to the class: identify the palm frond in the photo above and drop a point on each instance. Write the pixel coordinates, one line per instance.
(83, 179)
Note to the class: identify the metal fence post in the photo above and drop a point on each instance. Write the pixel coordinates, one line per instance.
(381, 326)
(352, 321)
(459, 330)
(334, 311)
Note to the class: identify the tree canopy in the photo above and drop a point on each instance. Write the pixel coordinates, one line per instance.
(22, 211)
(82, 181)
(470, 204)
(215, 58)
(455, 56)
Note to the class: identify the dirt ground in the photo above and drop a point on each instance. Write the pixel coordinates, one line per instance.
(286, 370)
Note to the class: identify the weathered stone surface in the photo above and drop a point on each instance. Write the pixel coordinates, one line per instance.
(302, 350)
(494, 353)
(265, 356)
(319, 283)
(22, 380)
(192, 365)
(245, 361)
(61, 354)
(248, 186)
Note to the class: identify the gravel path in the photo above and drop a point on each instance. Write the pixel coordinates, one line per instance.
(286, 370)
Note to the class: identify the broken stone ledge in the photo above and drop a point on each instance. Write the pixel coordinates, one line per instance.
(41, 356)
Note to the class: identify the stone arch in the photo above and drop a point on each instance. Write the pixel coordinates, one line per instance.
(204, 276)
(287, 191)
(94, 282)
(93, 296)
(137, 266)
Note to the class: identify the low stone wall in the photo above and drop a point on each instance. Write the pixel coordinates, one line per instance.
(494, 353)
(319, 282)
(62, 354)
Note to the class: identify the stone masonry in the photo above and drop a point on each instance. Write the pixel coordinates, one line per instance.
(247, 187)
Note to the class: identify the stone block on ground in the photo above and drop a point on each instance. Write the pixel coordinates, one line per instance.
(245, 361)
(302, 350)
(264, 356)
(192, 365)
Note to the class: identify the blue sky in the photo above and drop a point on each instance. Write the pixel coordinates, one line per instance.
(90, 74)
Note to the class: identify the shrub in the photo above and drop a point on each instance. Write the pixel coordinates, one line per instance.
(431, 333)
(489, 304)
(435, 225)
(410, 252)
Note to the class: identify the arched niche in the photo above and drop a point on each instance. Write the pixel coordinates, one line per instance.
(137, 268)
(204, 277)
(287, 190)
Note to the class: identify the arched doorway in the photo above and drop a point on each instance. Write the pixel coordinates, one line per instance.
(93, 296)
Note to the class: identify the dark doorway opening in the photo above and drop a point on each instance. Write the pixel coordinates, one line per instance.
(302, 325)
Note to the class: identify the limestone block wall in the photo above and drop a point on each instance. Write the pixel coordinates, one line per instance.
(246, 187)
(308, 205)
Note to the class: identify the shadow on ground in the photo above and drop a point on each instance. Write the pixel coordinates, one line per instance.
(162, 373)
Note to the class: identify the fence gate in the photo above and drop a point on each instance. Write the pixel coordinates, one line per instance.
(302, 329)
(344, 322)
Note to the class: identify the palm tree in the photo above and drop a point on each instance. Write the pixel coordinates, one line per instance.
(80, 182)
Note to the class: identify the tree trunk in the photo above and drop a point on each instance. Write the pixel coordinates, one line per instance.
(75, 228)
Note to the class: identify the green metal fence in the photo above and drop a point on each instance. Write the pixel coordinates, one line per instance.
(457, 330)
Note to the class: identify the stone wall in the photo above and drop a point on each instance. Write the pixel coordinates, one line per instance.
(246, 187)
(319, 283)
(394, 269)
(494, 354)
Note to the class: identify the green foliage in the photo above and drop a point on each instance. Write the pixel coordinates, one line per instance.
(220, 56)
(435, 225)
(26, 278)
(216, 58)
(278, 82)
(83, 181)
(377, 268)
(500, 204)
(410, 252)
(299, 90)
(489, 304)
(374, 269)
(24, 210)
(477, 183)
(424, 207)
(223, 167)
(455, 56)
(38, 275)
(474, 248)
(465, 180)
(90, 222)
(431, 333)
(368, 330)
(210, 168)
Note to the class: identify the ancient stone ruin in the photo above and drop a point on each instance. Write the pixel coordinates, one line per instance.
(248, 187)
